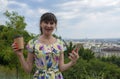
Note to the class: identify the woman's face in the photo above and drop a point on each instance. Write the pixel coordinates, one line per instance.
(47, 27)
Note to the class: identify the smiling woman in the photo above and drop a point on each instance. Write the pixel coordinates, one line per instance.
(46, 51)
(48, 22)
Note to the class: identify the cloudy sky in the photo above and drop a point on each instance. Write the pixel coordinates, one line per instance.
(77, 19)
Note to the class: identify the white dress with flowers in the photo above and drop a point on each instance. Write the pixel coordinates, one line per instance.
(46, 59)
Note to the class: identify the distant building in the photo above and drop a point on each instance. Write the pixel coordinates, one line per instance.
(107, 52)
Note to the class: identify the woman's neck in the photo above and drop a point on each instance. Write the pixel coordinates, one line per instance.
(46, 37)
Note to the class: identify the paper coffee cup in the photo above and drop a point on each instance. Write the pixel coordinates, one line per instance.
(20, 41)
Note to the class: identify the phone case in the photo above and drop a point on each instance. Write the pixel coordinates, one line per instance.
(77, 46)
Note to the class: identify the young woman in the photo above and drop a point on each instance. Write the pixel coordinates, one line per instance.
(46, 51)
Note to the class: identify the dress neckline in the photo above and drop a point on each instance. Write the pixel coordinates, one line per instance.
(56, 40)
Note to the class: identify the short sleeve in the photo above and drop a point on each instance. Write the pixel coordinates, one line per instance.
(61, 46)
(30, 46)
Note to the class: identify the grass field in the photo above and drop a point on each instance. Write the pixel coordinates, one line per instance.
(7, 73)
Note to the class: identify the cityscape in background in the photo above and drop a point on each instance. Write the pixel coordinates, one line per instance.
(100, 47)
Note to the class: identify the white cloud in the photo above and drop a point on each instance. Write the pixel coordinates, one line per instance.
(70, 5)
(3, 8)
(42, 10)
(68, 15)
(19, 7)
(22, 5)
(25, 9)
(100, 3)
(38, 0)
(3, 5)
(95, 25)
(83, 5)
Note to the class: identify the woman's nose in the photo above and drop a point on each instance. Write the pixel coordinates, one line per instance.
(48, 24)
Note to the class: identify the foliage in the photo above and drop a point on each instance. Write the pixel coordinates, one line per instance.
(94, 69)
(15, 25)
(86, 54)
(112, 59)
(15, 21)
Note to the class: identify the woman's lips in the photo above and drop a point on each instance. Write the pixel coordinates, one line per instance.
(49, 29)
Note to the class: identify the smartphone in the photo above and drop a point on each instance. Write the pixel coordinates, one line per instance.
(77, 46)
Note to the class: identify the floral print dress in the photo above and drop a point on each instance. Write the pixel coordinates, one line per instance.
(46, 59)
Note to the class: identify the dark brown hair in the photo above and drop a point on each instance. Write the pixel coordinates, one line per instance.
(47, 17)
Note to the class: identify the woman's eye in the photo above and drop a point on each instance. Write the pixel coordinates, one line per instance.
(51, 23)
(46, 22)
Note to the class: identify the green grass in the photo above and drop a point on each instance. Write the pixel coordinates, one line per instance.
(7, 73)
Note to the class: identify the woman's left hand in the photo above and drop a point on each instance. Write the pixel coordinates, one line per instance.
(74, 56)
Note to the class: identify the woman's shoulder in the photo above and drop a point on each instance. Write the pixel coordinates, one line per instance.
(60, 41)
(34, 40)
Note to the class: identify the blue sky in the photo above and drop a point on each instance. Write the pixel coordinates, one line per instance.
(77, 19)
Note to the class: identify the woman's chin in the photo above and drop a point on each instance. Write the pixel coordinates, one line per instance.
(48, 33)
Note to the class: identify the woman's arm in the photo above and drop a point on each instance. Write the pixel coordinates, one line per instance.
(72, 56)
(26, 63)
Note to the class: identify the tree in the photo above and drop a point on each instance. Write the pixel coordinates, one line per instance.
(15, 21)
(15, 25)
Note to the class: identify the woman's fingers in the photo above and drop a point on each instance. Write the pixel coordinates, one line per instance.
(74, 55)
(76, 50)
(70, 58)
(16, 49)
(15, 46)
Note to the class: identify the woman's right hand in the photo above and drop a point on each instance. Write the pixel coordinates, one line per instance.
(16, 50)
